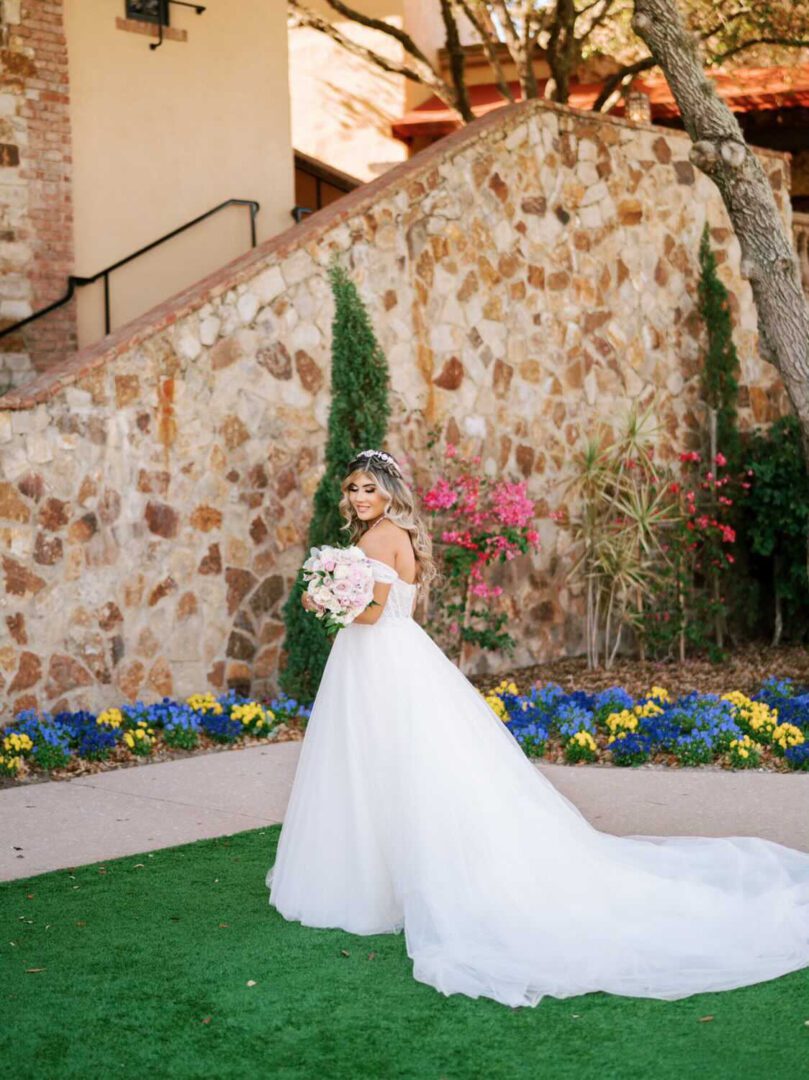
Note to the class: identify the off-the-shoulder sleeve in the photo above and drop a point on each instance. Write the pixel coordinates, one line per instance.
(382, 572)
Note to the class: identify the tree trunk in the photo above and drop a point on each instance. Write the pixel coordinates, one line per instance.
(778, 628)
(457, 61)
(768, 258)
(562, 51)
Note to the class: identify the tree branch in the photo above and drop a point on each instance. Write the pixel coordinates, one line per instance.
(515, 46)
(619, 78)
(786, 43)
(405, 40)
(489, 42)
(768, 257)
(457, 60)
(426, 76)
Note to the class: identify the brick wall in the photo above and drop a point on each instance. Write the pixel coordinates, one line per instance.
(36, 224)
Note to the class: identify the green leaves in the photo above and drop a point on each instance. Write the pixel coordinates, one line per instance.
(775, 515)
(720, 387)
(358, 418)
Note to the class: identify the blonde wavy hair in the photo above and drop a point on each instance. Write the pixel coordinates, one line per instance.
(400, 507)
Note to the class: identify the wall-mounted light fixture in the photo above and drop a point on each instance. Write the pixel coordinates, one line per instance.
(157, 12)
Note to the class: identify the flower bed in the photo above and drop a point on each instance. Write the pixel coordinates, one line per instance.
(61, 744)
(769, 729)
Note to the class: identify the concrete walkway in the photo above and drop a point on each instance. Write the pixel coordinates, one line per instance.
(54, 825)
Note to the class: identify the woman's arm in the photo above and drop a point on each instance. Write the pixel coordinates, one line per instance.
(372, 613)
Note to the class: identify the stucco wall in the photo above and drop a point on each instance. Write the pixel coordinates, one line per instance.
(160, 136)
(528, 278)
(343, 105)
(119, 144)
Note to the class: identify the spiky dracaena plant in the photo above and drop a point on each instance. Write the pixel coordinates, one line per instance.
(358, 419)
(624, 513)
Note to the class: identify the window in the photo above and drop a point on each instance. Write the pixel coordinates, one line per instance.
(153, 11)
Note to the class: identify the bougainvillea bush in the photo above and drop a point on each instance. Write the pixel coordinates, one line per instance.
(476, 523)
(770, 729)
(46, 742)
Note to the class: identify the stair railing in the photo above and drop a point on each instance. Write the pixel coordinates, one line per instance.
(74, 282)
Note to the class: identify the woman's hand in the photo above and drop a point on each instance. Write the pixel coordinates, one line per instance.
(308, 602)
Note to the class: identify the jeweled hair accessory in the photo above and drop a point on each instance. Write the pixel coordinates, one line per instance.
(389, 461)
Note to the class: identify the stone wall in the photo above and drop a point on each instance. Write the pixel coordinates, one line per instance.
(36, 214)
(529, 277)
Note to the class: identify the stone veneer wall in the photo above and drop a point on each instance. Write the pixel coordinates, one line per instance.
(36, 209)
(528, 278)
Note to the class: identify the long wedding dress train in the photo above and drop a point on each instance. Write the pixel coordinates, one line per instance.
(414, 808)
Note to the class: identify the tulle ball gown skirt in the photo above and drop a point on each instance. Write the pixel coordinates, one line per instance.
(413, 808)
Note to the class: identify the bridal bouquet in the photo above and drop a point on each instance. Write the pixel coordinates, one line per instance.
(340, 582)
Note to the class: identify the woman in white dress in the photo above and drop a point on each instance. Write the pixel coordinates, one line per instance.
(414, 808)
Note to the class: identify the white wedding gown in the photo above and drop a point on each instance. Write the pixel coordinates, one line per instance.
(414, 808)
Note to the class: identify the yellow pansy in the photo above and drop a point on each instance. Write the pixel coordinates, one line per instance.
(649, 708)
(786, 735)
(248, 713)
(205, 703)
(584, 738)
(17, 741)
(625, 720)
(496, 705)
(110, 718)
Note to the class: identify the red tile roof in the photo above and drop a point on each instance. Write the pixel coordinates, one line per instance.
(744, 90)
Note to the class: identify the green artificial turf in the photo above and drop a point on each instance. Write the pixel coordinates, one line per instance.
(147, 961)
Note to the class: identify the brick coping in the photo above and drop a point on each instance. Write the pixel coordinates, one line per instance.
(48, 384)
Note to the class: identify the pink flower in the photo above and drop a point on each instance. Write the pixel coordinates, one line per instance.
(451, 450)
(728, 534)
(721, 459)
(511, 504)
(454, 628)
(440, 497)
(484, 591)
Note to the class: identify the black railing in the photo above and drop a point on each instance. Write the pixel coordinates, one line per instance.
(74, 282)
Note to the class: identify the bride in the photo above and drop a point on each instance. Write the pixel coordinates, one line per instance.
(414, 808)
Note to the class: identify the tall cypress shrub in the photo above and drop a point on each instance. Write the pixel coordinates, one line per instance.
(720, 387)
(358, 420)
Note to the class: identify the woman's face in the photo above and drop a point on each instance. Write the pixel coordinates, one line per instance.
(365, 496)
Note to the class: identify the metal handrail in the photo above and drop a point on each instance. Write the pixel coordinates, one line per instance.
(74, 281)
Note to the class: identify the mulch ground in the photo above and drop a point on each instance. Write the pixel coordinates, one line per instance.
(745, 669)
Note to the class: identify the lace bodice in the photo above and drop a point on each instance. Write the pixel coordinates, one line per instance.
(402, 595)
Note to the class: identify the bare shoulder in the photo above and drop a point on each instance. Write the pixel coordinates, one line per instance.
(385, 541)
